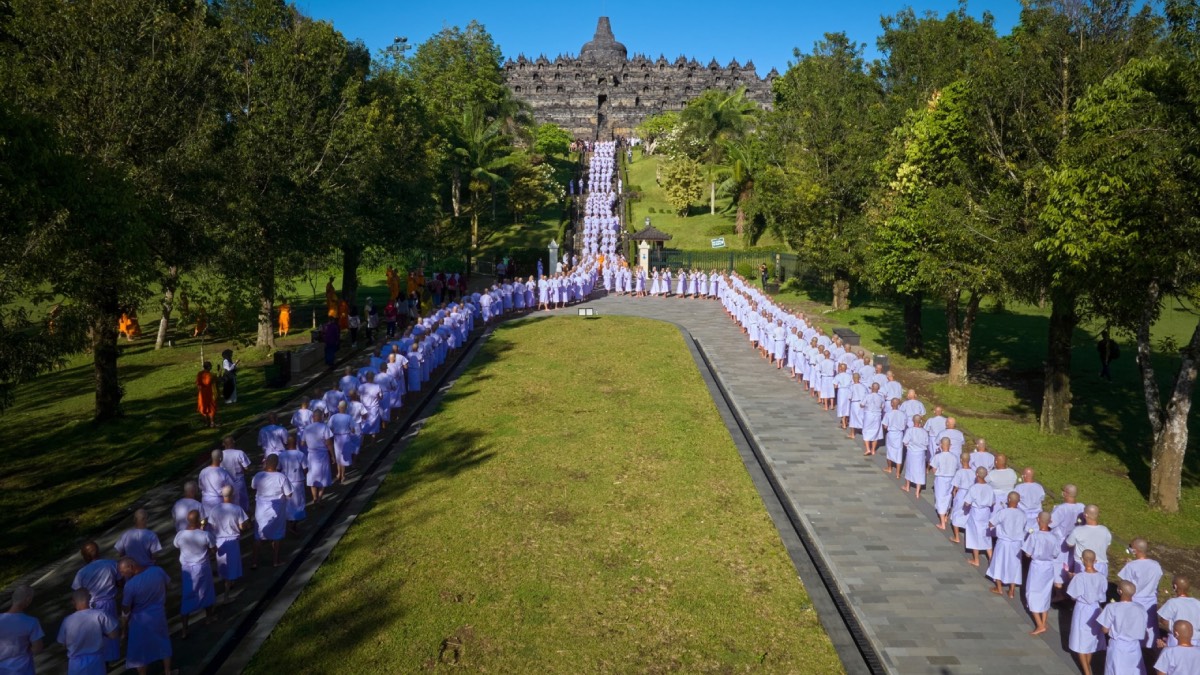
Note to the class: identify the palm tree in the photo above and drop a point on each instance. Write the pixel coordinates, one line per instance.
(738, 170)
(715, 118)
(482, 150)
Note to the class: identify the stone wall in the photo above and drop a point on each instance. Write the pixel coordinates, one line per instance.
(601, 93)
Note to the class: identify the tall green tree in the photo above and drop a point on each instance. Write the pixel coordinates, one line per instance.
(1028, 95)
(821, 146)
(129, 87)
(714, 119)
(483, 152)
(291, 86)
(1123, 217)
(382, 199)
(945, 217)
(922, 54)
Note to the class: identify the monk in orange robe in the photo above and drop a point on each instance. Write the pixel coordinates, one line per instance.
(393, 284)
(206, 394)
(343, 315)
(412, 283)
(135, 328)
(331, 299)
(201, 323)
(123, 327)
(285, 318)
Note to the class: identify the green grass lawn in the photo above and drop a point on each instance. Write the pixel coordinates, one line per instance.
(535, 232)
(1107, 454)
(698, 229)
(63, 478)
(575, 505)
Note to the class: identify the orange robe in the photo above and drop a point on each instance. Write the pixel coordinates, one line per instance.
(331, 300)
(343, 315)
(206, 399)
(201, 323)
(123, 326)
(393, 284)
(285, 319)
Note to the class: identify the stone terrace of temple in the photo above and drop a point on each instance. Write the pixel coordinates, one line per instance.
(602, 93)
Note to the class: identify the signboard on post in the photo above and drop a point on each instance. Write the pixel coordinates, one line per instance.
(719, 242)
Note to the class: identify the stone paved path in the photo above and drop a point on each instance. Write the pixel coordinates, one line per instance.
(924, 608)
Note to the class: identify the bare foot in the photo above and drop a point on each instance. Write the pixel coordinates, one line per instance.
(956, 540)
(941, 527)
(997, 591)
(975, 563)
(905, 488)
(1011, 593)
(1037, 631)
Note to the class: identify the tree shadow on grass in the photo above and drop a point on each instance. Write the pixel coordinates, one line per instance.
(1008, 350)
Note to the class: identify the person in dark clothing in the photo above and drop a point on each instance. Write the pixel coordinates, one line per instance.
(1109, 352)
(331, 335)
(762, 274)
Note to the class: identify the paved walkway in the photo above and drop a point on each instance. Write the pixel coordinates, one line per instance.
(923, 607)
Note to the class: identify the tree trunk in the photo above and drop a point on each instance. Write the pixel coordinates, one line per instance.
(841, 292)
(104, 363)
(170, 280)
(914, 338)
(712, 198)
(958, 336)
(455, 191)
(266, 307)
(1170, 422)
(351, 257)
(1056, 390)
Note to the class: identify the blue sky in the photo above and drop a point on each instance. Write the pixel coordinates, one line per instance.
(765, 32)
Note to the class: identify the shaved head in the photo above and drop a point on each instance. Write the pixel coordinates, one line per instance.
(1014, 498)
(189, 489)
(22, 597)
(1001, 461)
(1070, 491)
(81, 598)
(1088, 557)
(951, 423)
(981, 473)
(1182, 584)
(1091, 512)
(140, 518)
(1140, 546)
(1027, 474)
(217, 456)
(89, 551)
(1183, 631)
(1126, 589)
(1044, 520)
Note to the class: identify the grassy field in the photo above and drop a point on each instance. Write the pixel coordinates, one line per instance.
(564, 511)
(535, 232)
(64, 478)
(1107, 454)
(697, 230)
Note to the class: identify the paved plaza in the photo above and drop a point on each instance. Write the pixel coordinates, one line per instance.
(922, 606)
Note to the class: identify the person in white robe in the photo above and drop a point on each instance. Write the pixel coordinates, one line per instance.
(1180, 607)
(1182, 658)
(1144, 574)
(1004, 566)
(1088, 589)
(1124, 622)
(84, 634)
(1041, 547)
